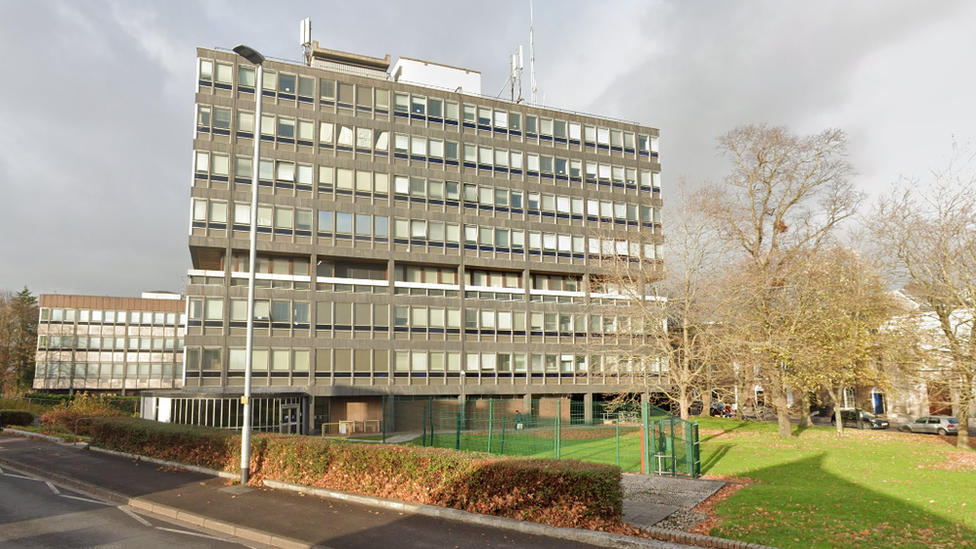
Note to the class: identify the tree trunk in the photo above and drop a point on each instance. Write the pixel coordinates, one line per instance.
(838, 421)
(783, 414)
(805, 420)
(962, 441)
(683, 403)
(965, 407)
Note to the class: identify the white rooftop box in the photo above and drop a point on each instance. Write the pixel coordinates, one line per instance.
(426, 73)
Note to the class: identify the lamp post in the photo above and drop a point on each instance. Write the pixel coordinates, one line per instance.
(258, 60)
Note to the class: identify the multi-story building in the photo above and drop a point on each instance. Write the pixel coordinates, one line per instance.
(110, 344)
(414, 237)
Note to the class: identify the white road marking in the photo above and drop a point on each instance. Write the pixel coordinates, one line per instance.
(23, 477)
(189, 533)
(89, 500)
(53, 488)
(138, 519)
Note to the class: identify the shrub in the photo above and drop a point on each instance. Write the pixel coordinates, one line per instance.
(16, 417)
(559, 493)
(188, 444)
(82, 407)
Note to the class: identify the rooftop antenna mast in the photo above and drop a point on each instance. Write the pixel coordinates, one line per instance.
(306, 39)
(517, 66)
(532, 53)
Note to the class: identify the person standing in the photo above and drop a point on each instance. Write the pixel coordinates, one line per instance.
(518, 419)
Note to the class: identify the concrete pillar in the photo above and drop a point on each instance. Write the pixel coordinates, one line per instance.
(527, 405)
(309, 416)
(588, 408)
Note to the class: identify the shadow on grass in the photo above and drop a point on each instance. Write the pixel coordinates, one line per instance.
(802, 505)
(713, 457)
(739, 425)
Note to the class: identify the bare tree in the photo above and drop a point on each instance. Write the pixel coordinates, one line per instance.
(783, 199)
(929, 232)
(666, 319)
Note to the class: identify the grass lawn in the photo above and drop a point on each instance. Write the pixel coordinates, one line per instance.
(599, 445)
(868, 489)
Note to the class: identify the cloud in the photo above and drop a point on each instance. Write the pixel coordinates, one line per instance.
(96, 119)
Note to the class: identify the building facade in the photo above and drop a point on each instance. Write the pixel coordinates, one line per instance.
(414, 237)
(110, 344)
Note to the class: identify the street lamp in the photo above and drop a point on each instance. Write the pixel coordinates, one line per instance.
(257, 59)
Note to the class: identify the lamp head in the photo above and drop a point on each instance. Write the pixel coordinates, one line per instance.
(250, 54)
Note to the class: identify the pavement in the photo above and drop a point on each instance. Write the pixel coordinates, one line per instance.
(291, 516)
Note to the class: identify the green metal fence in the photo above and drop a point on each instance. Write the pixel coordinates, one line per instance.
(557, 428)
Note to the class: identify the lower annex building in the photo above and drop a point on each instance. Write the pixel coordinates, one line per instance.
(415, 238)
(110, 344)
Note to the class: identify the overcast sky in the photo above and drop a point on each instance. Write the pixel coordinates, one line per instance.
(96, 98)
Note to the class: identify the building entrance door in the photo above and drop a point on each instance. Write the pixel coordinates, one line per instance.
(291, 419)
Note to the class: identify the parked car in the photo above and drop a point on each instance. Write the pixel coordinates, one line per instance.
(939, 425)
(868, 420)
(717, 409)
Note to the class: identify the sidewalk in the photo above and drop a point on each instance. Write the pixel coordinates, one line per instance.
(285, 518)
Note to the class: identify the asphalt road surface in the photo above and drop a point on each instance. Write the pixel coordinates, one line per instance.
(37, 514)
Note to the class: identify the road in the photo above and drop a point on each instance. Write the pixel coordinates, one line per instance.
(38, 514)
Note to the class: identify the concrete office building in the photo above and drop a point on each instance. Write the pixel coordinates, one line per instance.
(110, 344)
(414, 237)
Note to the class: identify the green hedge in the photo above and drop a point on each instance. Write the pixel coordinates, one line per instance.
(16, 417)
(191, 445)
(558, 493)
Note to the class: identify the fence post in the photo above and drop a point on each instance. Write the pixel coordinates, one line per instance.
(616, 437)
(423, 419)
(559, 408)
(674, 452)
(694, 450)
(648, 439)
(457, 444)
(383, 417)
(504, 417)
(491, 421)
(430, 417)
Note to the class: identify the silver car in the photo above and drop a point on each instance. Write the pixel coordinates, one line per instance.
(939, 425)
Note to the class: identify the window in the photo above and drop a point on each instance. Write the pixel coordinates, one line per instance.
(451, 111)
(364, 225)
(401, 102)
(306, 86)
(306, 130)
(345, 98)
(484, 116)
(245, 77)
(364, 97)
(383, 100)
(225, 74)
(326, 133)
(286, 83)
(418, 105)
(218, 212)
(221, 118)
(206, 70)
(344, 223)
(245, 121)
(364, 138)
